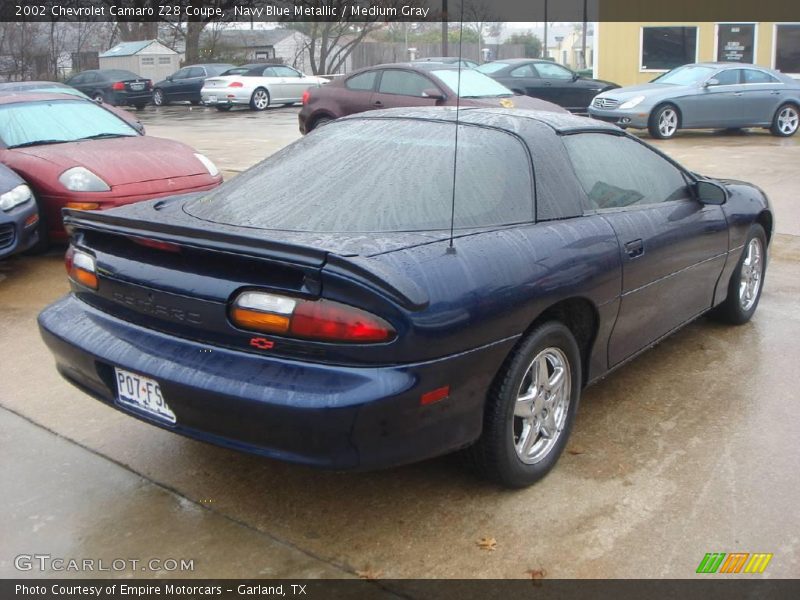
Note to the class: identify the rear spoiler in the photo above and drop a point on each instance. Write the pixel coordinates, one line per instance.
(231, 240)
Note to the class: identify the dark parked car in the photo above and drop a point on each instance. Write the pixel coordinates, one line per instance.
(114, 86)
(53, 87)
(74, 153)
(318, 311)
(18, 214)
(547, 80)
(407, 84)
(185, 84)
(449, 60)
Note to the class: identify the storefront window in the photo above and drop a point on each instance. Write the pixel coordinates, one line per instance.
(787, 48)
(665, 48)
(735, 42)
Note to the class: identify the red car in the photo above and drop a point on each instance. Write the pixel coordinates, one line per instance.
(75, 154)
(408, 84)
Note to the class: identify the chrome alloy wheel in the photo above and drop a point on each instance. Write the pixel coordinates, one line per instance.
(260, 99)
(752, 268)
(788, 120)
(668, 122)
(540, 411)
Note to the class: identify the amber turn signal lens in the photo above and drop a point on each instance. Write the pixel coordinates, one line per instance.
(259, 321)
(83, 205)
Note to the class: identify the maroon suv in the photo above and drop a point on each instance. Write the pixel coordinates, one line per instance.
(407, 84)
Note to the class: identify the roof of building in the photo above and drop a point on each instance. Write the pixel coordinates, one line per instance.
(247, 38)
(131, 48)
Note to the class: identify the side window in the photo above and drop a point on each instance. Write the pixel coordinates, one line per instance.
(523, 71)
(729, 77)
(362, 81)
(196, 72)
(91, 78)
(616, 171)
(404, 83)
(268, 72)
(285, 72)
(181, 74)
(78, 79)
(754, 76)
(552, 71)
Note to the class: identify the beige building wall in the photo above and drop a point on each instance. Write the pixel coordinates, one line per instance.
(618, 48)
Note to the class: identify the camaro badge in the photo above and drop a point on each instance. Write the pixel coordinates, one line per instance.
(506, 103)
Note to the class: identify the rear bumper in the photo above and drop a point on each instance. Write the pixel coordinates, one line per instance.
(226, 96)
(322, 415)
(131, 98)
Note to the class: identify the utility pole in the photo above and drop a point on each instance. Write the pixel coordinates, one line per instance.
(544, 43)
(444, 28)
(583, 41)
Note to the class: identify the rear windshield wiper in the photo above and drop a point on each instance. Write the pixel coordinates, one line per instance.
(102, 136)
(38, 143)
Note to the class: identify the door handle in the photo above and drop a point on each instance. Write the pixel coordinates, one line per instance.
(775, 92)
(634, 248)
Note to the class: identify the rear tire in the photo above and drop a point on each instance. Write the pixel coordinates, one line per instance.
(786, 121)
(746, 282)
(99, 97)
(259, 100)
(529, 410)
(664, 122)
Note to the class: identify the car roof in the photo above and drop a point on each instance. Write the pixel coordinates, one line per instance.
(502, 118)
(29, 84)
(416, 66)
(26, 97)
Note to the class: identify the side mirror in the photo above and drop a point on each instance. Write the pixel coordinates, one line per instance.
(710, 192)
(169, 77)
(575, 77)
(433, 93)
(711, 82)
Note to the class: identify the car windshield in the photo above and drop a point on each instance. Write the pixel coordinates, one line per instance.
(686, 75)
(388, 175)
(473, 84)
(56, 121)
(492, 67)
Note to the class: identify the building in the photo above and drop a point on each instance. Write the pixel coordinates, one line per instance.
(566, 47)
(631, 53)
(147, 58)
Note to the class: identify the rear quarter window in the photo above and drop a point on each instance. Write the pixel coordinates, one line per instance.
(380, 175)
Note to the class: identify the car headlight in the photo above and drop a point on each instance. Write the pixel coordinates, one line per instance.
(80, 179)
(19, 195)
(210, 166)
(635, 101)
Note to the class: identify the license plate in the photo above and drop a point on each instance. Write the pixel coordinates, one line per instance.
(143, 394)
(212, 99)
(137, 86)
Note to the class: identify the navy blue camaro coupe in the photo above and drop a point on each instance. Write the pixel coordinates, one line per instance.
(341, 305)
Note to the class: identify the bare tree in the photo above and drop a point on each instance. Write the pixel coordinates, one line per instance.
(476, 17)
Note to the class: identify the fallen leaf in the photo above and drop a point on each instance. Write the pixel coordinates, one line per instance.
(536, 573)
(575, 450)
(369, 573)
(487, 544)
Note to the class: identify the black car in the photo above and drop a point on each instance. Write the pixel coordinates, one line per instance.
(185, 85)
(547, 80)
(361, 313)
(117, 87)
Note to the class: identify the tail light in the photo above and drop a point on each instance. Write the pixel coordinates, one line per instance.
(323, 320)
(117, 86)
(148, 84)
(81, 267)
(236, 84)
(155, 244)
(306, 96)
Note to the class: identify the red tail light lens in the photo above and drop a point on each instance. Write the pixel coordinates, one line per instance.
(236, 84)
(156, 244)
(322, 320)
(148, 84)
(81, 268)
(305, 97)
(117, 85)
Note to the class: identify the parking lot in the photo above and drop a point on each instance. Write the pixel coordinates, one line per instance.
(689, 449)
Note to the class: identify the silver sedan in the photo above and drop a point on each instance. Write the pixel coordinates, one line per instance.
(257, 86)
(705, 96)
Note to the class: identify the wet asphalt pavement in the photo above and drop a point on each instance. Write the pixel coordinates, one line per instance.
(691, 448)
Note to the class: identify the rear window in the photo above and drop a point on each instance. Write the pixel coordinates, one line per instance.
(380, 175)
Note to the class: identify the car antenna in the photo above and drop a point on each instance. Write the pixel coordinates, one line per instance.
(451, 249)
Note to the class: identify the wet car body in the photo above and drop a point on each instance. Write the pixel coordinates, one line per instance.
(185, 84)
(710, 95)
(162, 307)
(18, 214)
(116, 87)
(547, 80)
(131, 166)
(416, 84)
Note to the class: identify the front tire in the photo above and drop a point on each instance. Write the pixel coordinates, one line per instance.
(159, 98)
(530, 408)
(259, 100)
(664, 122)
(786, 121)
(747, 281)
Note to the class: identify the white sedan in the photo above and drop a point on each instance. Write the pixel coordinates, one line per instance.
(258, 86)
